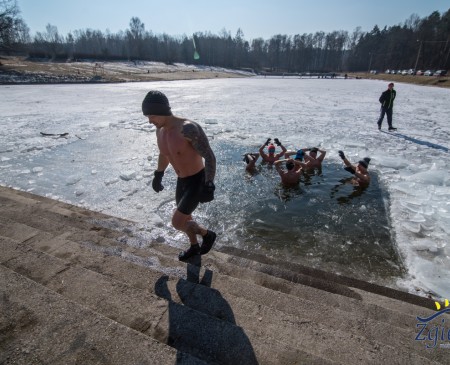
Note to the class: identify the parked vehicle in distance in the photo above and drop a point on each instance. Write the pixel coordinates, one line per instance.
(392, 72)
(428, 73)
(440, 73)
(387, 71)
(405, 72)
(411, 71)
(420, 72)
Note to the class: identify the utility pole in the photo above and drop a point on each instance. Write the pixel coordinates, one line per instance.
(417, 59)
(370, 62)
(448, 53)
(420, 48)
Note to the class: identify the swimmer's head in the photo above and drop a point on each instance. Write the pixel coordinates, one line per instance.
(290, 165)
(271, 148)
(313, 150)
(364, 162)
(299, 155)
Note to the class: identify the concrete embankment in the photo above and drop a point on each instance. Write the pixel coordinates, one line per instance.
(76, 288)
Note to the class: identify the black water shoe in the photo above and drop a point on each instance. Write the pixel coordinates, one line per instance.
(392, 129)
(192, 251)
(208, 241)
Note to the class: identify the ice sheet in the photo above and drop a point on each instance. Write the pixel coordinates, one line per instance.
(109, 154)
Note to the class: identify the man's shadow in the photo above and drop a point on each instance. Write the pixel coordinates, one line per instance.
(203, 325)
(418, 141)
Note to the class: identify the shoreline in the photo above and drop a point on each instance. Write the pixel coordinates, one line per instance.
(15, 70)
(437, 81)
(20, 71)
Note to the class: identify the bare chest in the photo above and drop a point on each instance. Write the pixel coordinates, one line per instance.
(173, 143)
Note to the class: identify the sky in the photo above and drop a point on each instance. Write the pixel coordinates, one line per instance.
(256, 18)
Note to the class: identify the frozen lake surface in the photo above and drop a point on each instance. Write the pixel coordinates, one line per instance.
(395, 233)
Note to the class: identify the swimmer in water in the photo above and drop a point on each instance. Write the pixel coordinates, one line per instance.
(271, 157)
(312, 161)
(299, 155)
(362, 177)
(250, 160)
(291, 176)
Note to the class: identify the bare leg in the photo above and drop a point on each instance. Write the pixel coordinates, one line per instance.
(186, 224)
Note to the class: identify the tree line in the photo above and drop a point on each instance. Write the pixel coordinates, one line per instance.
(418, 42)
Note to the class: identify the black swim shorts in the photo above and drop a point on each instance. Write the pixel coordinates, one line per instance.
(188, 190)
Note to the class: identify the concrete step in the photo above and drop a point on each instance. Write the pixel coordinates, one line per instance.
(296, 273)
(397, 313)
(58, 216)
(39, 326)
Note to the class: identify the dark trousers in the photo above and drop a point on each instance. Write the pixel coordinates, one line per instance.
(388, 112)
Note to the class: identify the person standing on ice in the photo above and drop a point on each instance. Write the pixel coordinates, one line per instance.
(271, 157)
(184, 145)
(362, 177)
(387, 105)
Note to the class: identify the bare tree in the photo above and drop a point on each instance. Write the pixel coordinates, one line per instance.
(13, 29)
(380, 48)
(135, 37)
(50, 40)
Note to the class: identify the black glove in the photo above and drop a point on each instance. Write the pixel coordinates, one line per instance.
(156, 183)
(207, 192)
(341, 155)
(350, 169)
(277, 141)
(268, 141)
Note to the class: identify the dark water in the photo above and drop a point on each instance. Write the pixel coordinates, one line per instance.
(325, 222)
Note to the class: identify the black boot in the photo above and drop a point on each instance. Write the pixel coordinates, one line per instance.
(192, 251)
(208, 241)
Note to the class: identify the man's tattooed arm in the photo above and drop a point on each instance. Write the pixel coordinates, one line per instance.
(197, 136)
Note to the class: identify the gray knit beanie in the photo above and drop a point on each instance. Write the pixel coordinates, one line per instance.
(364, 162)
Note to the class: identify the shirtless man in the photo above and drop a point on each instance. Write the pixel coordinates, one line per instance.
(271, 157)
(250, 160)
(362, 177)
(311, 160)
(183, 144)
(291, 176)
